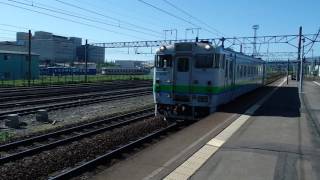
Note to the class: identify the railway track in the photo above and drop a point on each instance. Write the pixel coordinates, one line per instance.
(19, 89)
(38, 93)
(37, 144)
(45, 100)
(115, 95)
(85, 167)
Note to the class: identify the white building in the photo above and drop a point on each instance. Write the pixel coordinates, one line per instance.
(129, 63)
(95, 54)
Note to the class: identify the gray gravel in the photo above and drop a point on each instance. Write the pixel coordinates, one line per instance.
(75, 115)
(41, 165)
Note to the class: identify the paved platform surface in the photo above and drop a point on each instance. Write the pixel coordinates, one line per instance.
(280, 141)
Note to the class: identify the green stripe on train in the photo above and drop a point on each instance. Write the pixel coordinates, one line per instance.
(195, 89)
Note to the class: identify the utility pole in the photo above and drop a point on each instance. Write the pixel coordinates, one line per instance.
(86, 60)
(299, 53)
(29, 58)
(255, 28)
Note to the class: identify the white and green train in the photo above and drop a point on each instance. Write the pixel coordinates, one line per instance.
(191, 79)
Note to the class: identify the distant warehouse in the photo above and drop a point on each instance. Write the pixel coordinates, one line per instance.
(15, 65)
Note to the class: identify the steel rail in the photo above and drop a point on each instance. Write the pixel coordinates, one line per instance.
(69, 173)
(52, 87)
(61, 105)
(64, 98)
(121, 121)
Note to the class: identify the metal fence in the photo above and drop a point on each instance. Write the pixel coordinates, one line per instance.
(70, 79)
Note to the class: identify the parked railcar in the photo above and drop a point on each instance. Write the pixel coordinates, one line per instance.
(63, 71)
(192, 79)
(125, 71)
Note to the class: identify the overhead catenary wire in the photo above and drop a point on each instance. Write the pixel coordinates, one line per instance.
(137, 17)
(313, 41)
(105, 16)
(79, 17)
(197, 19)
(71, 20)
(168, 13)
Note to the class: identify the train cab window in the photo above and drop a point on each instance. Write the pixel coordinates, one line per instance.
(183, 64)
(203, 61)
(164, 61)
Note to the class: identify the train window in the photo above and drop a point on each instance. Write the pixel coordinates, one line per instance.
(245, 71)
(183, 64)
(203, 61)
(183, 47)
(216, 60)
(226, 71)
(164, 61)
(231, 70)
(223, 61)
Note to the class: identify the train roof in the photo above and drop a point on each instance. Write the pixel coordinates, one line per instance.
(200, 47)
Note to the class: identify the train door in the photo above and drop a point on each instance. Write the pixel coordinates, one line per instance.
(231, 72)
(231, 76)
(182, 78)
(226, 71)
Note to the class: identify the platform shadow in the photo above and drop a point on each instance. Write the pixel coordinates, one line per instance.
(284, 102)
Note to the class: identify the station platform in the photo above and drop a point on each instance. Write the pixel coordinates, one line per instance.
(272, 133)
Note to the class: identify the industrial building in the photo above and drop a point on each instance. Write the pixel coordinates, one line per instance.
(14, 65)
(95, 54)
(50, 47)
(60, 49)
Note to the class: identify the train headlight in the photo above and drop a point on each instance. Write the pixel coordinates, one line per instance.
(163, 48)
(207, 47)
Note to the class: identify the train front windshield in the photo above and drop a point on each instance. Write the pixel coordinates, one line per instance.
(163, 61)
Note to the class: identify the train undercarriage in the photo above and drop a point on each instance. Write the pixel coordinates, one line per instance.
(182, 111)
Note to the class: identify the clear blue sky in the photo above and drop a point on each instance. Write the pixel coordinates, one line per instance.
(232, 18)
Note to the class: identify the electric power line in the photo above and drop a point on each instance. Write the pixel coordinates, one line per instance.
(70, 20)
(79, 17)
(193, 17)
(168, 13)
(313, 41)
(150, 22)
(103, 15)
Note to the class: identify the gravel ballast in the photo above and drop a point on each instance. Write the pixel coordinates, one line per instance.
(75, 115)
(41, 165)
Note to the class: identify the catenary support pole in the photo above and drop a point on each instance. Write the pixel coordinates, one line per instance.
(288, 73)
(29, 58)
(301, 66)
(299, 53)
